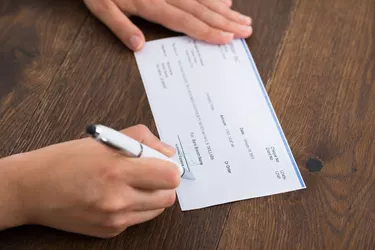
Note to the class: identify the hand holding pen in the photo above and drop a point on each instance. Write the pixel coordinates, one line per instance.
(131, 147)
(85, 187)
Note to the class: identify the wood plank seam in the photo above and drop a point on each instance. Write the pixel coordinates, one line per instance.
(223, 227)
(49, 85)
(280, 49)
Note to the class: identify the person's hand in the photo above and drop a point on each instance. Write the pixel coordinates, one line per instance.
(85, 187)
(212, 21)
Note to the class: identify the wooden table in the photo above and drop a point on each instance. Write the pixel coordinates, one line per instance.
(61, 69)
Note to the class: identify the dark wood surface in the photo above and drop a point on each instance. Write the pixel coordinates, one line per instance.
(61, 68)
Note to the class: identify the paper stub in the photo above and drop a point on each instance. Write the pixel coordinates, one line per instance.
(209, 102)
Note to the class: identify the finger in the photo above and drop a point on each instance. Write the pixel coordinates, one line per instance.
(227, 12)
(150, 200)
(227, 2)
(113, 225)
(143, 134)
(151, 174)
(142, 216)
(118, 23)
(212, 18)
(180, 21)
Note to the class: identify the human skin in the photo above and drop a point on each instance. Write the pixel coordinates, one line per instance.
(84, 187)
(212, 21)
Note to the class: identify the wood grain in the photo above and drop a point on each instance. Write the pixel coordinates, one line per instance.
(60, 71)
(323, 91)
(93, 78)
(85, 91)
(35, 37)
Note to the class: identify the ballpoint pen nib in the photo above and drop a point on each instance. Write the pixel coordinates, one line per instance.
(188, 176)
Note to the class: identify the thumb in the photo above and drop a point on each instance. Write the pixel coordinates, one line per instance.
(110, 14)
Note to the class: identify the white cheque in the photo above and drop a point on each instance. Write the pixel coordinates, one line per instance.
(209, 102)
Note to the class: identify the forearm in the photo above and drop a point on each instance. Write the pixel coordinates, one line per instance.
(11, 205)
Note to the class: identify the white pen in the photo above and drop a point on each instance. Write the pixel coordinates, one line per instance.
(129, 146)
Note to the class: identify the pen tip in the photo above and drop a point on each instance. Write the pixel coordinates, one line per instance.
(91, 129)
(188, 176)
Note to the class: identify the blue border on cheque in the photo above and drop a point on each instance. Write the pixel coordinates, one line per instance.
(273, 114)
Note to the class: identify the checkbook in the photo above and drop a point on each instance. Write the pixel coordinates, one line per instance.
(209, 102)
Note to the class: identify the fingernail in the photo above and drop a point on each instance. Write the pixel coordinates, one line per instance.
(226, 33)
(245, 19)
(135, 42)
(169, 149)
(228, 2)
(248, 29)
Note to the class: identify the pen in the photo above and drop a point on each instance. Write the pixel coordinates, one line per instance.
(129, 146)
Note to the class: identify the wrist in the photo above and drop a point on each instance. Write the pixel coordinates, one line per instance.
(13, 211)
